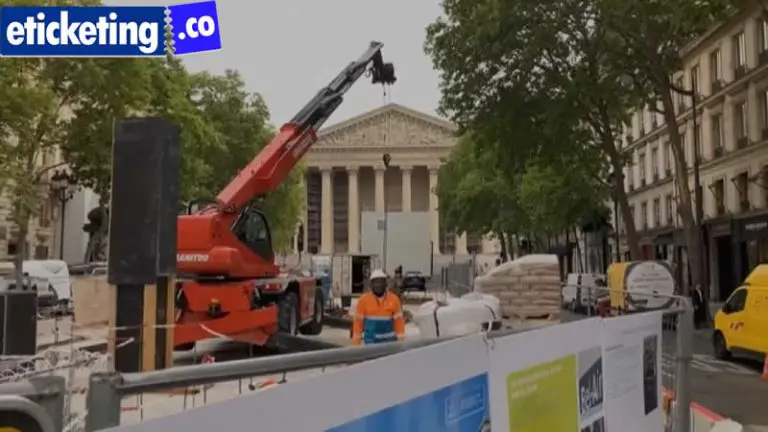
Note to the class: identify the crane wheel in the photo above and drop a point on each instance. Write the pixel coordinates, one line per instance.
(315, 327)
(288, 313)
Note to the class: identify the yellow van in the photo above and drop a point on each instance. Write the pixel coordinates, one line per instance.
(741, 325)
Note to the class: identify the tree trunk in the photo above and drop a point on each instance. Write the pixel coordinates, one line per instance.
(684, 202)
(620, 195)
(579, 255)
(503, 243)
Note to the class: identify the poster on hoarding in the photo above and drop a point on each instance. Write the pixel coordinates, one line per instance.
(442, 387)
(550, 379)
(632, 355)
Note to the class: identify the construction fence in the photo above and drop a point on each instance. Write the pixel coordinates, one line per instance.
(52, 403)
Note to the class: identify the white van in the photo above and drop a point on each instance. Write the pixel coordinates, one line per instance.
(55, 271)
(581, 290)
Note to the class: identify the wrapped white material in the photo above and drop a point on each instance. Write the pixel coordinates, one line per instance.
(528, 287)
(457, 316)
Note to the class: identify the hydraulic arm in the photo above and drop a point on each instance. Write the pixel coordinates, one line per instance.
(231, 238)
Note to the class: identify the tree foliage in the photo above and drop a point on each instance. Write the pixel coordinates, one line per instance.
(534, 77)
(241, 121)
(71, 106)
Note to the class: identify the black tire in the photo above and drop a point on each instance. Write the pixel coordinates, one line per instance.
(315, 327)
(720, 346)
(288, 313)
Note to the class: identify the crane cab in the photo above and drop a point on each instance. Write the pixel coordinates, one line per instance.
(243, 251)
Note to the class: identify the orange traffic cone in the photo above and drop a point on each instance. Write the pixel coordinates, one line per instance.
(764, 376)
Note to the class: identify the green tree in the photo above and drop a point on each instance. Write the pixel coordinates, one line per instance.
(651, 36)
(570, 191)
(35, 94)
(476, 197)
(108, 89)
(542, 88)
(241, 120)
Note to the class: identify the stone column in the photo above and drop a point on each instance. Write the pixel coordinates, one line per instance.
(461, 244)
(379, 189)
(434, 217)
(326, 237)
(353, 207)
(406, 171)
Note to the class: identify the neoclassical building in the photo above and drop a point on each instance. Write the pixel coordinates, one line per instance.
(347, 179)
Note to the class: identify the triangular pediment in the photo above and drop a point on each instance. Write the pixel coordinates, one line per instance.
(391, 125)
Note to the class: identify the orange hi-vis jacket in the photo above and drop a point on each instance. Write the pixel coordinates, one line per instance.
(378, 319)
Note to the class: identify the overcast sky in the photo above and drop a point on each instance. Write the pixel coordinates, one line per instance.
(288, 49)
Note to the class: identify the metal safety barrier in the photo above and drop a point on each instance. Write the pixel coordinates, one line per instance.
(109, 398)
(108, 390)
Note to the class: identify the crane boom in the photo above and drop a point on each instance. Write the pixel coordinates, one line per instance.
(273, 164)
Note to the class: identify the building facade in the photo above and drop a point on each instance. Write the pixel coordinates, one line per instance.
(42, 225)
(728, 70)
(346, 178)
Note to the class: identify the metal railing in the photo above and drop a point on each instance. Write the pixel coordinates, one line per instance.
(109, 399)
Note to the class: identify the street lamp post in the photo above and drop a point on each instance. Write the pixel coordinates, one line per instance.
(386, 158)
(63, 189)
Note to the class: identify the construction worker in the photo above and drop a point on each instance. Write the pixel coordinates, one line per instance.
(378, 315)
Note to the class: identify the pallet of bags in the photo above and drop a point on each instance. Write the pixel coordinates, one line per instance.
(528, 287)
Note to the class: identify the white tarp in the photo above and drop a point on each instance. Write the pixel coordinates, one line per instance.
(632, 357)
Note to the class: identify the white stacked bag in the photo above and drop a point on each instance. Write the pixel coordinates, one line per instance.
(528, 287)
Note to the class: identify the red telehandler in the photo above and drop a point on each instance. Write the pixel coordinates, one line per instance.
(230, 284)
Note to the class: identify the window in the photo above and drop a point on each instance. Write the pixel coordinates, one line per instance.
(764, 109)
(695, 75)
(717, 133)
(764, 183)
(655, 163)
(641, 122)
(741, 182)
(668, 158)
(680, 97)
(252, 229)
(762, 43)
(716, 65)
(718, 190)
(46, 214)
(629, 174)
(736, 302)
(657, 212)
(739, 50)
(641, 168)
(41, 252)
(644, 214)
(632, 213)
(670, 209)
(740, 120)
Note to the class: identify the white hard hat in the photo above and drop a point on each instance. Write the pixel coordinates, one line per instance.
(378, 274)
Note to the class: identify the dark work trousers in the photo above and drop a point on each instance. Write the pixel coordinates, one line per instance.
(699, 310)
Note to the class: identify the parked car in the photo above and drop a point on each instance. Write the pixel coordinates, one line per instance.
(414, 281)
